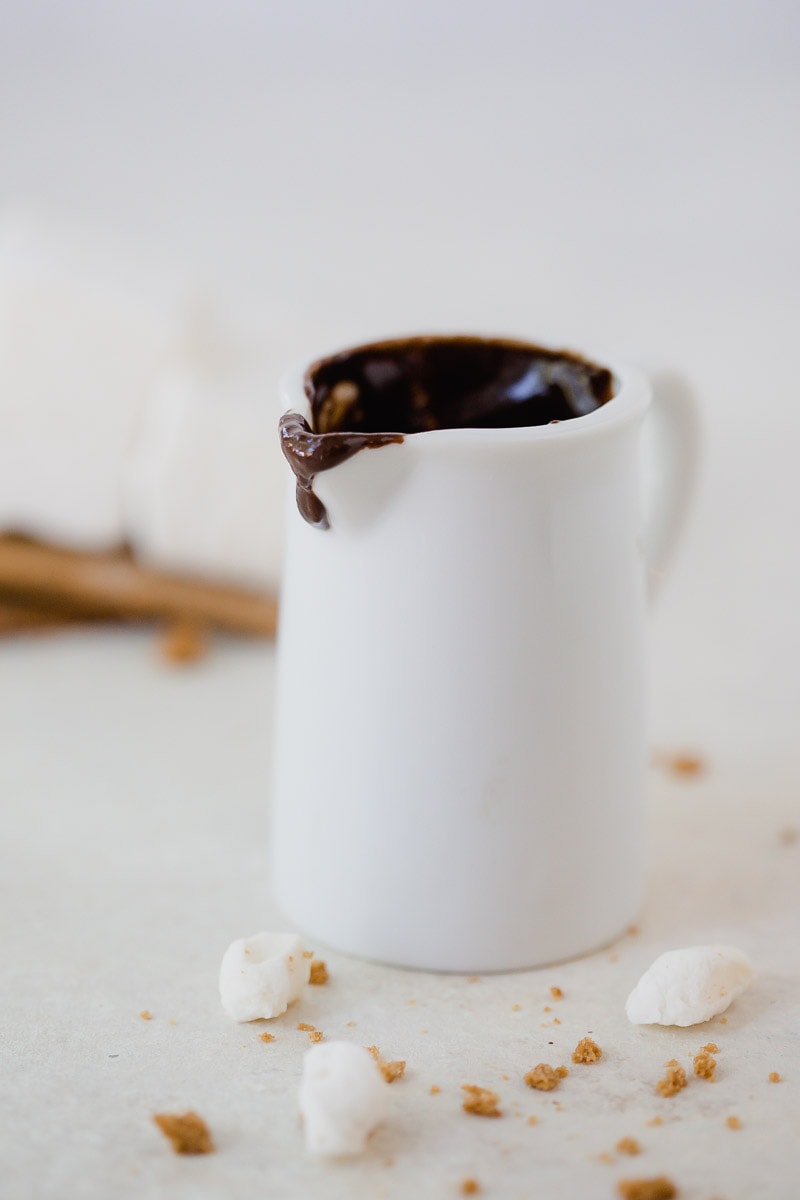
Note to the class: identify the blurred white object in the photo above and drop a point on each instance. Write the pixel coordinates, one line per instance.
(260, 976)
(204, 483)
(343, 1097)
(687, 987)
(82, 335)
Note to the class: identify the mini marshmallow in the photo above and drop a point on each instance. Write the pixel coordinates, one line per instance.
(343, 1097)
(687, 987)
(260, 976)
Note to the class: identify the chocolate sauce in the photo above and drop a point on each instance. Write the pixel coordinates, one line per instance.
(373, 395)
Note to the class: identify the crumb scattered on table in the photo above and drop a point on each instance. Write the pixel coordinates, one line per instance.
(711, 1048)
(586, 1051)
(267, 1037)
(435, 1089)
(304, 1027)
(673, 1082)
(516, 1007)
(319, 973)
(470, 1187)
(544, 1077)
(657, 1188)
(184, 642)
(704, 1065)
(187, 1132)
(315, 1035)
(389, 1070)
(473, 978)
(628, 1145)
(633, 931)
(533, 1120)
(788, 837)
(556, 993)
(774, 1077)
(733, 1123)
(350, 1024)
(481, 1101)
(146, 1015)
(605, 1157)
(655, 1121)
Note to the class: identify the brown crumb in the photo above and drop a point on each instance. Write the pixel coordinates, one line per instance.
(350, 1024)
(533, 1120)
(671, 1062)
(605, 1157)
(389, 1070)
(723, 1020)
(516, 1007)
(633, 931)
(673, 1082)
(586, 1051)
(544, 1078)
(704, 1065)
(774, 1077)
(435, 1089)
(308, 954)
(470, 1187)
(480, 1101)
(473, 979)
(316, 1035)
(547, 1008)
(184, 642)
(506, 1077)
(146, 1015)
(788, 837)
(711, 1048)
(319, 973)
(556, 993)
(267, 1037)
(657, 1188)
(556, 1021)
(173, 1022)
(655, 1121)
(306, 1028)
(187, 1132)
(684, 764)
(733, 1123)
(628, 1145)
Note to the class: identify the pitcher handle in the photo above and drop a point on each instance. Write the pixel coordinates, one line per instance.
(673, 427)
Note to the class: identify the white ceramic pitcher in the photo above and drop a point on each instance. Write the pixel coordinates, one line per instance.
(460, 742)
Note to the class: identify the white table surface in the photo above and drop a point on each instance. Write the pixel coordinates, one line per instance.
(134, 849)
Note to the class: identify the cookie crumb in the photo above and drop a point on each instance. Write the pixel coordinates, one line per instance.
(544, 1077)
(605, 1157)
(633, 931)
(774, 1077)
(316, 1035)
(733, 1123)
(655, 1121)
(184, 642)
(470, 1187)
(723, 1020)
(684, 764)
(481, 1101)
(516, 1007)
(587, 1051)
(533, 1120)
(435, 1089)
(473, 978)
(389, 1070)
(556, 1021)
(308, 954)
(319, 973)
(267, 1037)
(658, 1188)
(187, 1132)
(628, 1145)
(304, 1027)
(350, 1024)
(146, 1015)
(556, 993)
(711, 1048)
(704, 1065)
(673, 1082)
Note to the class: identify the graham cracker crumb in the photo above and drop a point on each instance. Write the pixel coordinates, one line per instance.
(556, 993)
(774, 1077)
(533, 1120)
(671, 1062)
(673, 1082)
(516, 1007)
(435, 1089)
(711, 1048)
(319, 973)
(267, 1037)
(184, 642)
(316, 1035)
(308, 954)
(470, 1187)
(544, 1078)
(655, 1121)
(633, 931)
(389, 1070)
(187, 1132)
(146, 1015)
(350, 1024)
(547, 1008)
(506, 1077)
(658, 1188)
(481, 1101)
(723, 1020)
(473, 978)
(306, 1028)
(628, 1145)
(704, 1065)
(733, 1123)
(586, 1051)
(556, 1021)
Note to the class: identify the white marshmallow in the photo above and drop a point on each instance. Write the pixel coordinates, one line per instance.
(687, 987)
(343, 1097)
(261, 975)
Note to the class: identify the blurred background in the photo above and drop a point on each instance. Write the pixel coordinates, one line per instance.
(193, 195)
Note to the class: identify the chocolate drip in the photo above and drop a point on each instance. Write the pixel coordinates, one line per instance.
(308, 453)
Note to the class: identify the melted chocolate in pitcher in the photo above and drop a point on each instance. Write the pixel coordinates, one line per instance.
(374, 395)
